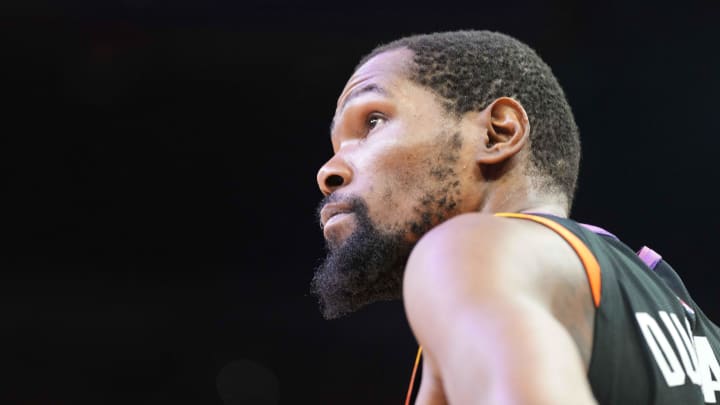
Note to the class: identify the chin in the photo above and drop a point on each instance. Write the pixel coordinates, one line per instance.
(363, 268)
(363, 264)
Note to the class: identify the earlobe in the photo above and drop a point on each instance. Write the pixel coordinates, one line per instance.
(507, 130)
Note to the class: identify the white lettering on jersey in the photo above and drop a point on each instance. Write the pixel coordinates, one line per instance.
(699, 362)
(685, 346)
(709, 369)
(663, 353)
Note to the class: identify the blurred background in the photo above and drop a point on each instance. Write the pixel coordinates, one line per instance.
(160, 156)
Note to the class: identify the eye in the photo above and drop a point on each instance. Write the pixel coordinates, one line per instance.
(373, 120)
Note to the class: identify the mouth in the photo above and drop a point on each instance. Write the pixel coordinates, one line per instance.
(332, 212)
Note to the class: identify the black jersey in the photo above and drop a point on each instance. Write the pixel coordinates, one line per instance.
(652, 344)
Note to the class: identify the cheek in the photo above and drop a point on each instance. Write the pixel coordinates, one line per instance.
(413, 186)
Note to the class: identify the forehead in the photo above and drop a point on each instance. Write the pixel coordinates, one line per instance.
(381, 73)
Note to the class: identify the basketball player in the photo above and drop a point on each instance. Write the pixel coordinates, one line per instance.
(455, 163)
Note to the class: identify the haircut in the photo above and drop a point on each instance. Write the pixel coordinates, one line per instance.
(469, 69)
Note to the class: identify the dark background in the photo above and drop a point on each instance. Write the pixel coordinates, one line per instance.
(160, 156)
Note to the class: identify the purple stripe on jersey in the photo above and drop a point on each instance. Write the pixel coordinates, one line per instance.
(598, 230)
(591, 228)
(649, 256)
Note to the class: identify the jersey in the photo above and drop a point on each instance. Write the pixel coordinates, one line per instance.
(652, 344)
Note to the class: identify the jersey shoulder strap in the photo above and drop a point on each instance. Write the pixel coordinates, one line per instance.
(589, 262)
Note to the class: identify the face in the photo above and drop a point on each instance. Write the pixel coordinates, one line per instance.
(401, 165)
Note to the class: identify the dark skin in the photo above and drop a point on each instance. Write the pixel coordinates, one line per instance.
(501, 306)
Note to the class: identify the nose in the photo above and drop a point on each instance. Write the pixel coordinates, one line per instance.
(334, 174)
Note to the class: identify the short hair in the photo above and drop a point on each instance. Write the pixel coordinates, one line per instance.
(469, 69)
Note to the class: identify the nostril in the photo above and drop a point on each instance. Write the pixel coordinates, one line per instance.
(334, 181)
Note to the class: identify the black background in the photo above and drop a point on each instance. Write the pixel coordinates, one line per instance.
(160, 160)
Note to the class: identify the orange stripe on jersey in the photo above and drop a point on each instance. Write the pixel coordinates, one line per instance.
(592, 267)
(412, 377)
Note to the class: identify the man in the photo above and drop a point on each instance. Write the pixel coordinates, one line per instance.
(455, 163)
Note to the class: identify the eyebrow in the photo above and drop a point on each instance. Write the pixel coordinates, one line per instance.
(369, 88)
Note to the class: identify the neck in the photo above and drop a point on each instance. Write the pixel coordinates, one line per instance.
(521, 196)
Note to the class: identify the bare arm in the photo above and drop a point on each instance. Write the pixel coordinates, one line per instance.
(487, 326)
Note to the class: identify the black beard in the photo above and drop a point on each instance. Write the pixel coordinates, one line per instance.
(367, 267)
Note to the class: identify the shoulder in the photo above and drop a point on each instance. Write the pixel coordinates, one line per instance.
(477, 263)
(486, 246)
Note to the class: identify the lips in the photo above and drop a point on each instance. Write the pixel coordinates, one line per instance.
(332, 209)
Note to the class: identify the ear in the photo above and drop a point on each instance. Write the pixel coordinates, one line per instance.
(507, 128)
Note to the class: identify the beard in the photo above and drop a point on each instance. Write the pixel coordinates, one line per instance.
(366, 267)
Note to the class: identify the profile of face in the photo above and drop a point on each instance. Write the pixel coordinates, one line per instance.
(401, 165)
